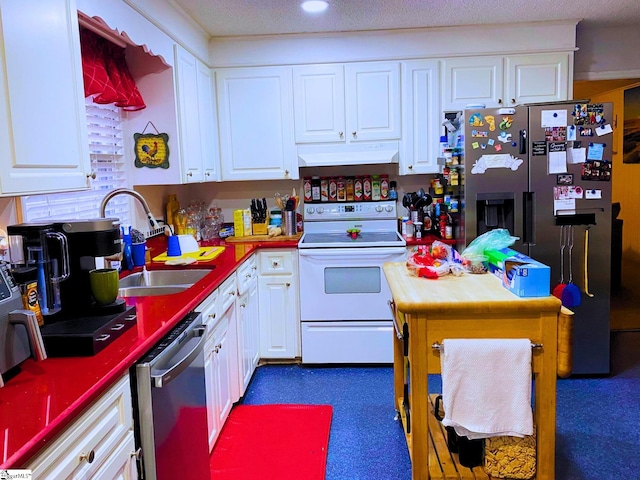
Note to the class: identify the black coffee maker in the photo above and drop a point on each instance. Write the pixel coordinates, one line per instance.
(64, 253)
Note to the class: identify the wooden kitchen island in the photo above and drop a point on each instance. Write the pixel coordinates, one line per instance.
(469, 306)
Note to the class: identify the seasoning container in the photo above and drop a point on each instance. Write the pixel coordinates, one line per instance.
(384, 187)
(358, 193)
(333, 189)
(342, 190)
(315, 189)
(349, 188)
(306, 188)
(393, 193)
(27, 278)
(366, 188)
(375, 188)
(417, 226)
(324, 189)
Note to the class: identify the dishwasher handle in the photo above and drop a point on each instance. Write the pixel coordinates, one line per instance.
(166, 375)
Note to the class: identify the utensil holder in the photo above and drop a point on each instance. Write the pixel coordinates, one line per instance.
(289, 222)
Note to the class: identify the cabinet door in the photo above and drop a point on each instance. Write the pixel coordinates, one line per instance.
(253, 313)
(372, 100)
(255, 116)
(44, 145)
(472, 80)
(279, 319)
(537, 78)
(211, 384)
(121, 464)
(188, 115)
(421, 117)
(209, 144)
(225, 372)
(318, 98)
(244, 341)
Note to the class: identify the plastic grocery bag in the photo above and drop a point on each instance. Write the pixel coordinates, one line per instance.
(433, 261)
(491, 240)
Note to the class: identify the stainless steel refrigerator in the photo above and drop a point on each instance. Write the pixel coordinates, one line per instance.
(543, 172)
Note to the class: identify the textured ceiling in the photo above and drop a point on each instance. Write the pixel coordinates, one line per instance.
(258, 17)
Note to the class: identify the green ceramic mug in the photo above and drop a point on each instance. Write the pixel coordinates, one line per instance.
(104, 285)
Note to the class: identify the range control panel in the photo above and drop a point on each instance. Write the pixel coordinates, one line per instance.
(349, 211)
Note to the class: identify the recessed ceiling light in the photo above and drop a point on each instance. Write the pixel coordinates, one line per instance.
(314, 6)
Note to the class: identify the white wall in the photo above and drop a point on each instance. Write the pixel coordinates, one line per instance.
(607, 53)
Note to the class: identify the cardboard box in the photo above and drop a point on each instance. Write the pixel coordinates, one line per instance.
(520, 274)
(238, 223)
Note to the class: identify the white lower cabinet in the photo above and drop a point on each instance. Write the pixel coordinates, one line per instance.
(217, 312)
(279, 311)
(98, 445)
(248, 322)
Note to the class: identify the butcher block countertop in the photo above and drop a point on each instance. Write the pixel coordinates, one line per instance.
(467, 294)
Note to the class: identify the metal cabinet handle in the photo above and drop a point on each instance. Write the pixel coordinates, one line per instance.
(287, 284)
(410, 167)
(500, 101)
(189, 174)
(513, 100)
(286, 173)
(91, 175)
(212, 316)
(137, 454)
(207, 174)
(355, 134)
(88, 457)
(243, 305)
(275, 264)
(341, 134)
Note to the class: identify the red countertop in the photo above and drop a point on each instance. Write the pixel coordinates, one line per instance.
(41, 400)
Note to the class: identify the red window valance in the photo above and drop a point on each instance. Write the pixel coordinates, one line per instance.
(106, 76)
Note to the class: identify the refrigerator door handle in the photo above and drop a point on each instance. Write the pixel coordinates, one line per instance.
(528, 216)
(523, 141)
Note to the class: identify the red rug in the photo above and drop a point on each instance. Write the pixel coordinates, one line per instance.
(265, 442)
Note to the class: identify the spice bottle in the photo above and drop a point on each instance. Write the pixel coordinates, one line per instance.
(375, 188)
(324, 189)
(358, 193)
(342, 191)
(366, 188)
(349, 188)
(315, 189)
(333, 189)
(306, 188)
(384, 187)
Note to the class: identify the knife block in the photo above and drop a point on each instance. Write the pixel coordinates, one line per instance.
(260, 228)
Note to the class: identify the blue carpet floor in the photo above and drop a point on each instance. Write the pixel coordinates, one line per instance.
(598, 419)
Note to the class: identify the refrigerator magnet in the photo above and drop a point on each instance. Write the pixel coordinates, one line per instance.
(539, 148)
(596, 151)
(593, 194)
(571, 133)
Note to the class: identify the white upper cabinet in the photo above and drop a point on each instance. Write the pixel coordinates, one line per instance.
(421, 117)
(505, 81)
(43, 130)
(196, 119)
(537, 78)
(472, 80)
(255, 116)
(347, 103)
(318, 97)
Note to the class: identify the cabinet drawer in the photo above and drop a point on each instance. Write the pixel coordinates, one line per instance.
(84, 447)
(226, 294)
(277, 262)
(247, 273)
(209, 309)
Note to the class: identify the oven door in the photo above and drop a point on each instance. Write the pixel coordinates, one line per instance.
(343, 304)
(345, 284)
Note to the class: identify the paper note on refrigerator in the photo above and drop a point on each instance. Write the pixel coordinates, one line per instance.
(553, 118)
(604, 130)
(557, 157)
(576, 155)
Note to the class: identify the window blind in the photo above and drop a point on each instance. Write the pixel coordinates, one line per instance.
(106, 148)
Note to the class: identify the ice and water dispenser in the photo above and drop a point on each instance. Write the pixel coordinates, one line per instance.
(495, 210)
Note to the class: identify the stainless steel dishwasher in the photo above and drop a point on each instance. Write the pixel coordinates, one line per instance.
(170, 406)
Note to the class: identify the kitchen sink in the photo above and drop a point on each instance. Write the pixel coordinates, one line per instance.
(151, 291)
(159, 282)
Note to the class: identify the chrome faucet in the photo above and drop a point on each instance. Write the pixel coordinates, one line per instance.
(134, 194)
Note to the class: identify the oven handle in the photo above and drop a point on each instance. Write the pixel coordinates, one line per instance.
(368, 252)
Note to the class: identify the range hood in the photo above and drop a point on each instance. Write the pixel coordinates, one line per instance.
(348, 154)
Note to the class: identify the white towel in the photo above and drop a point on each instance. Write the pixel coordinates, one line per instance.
(486, 387)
